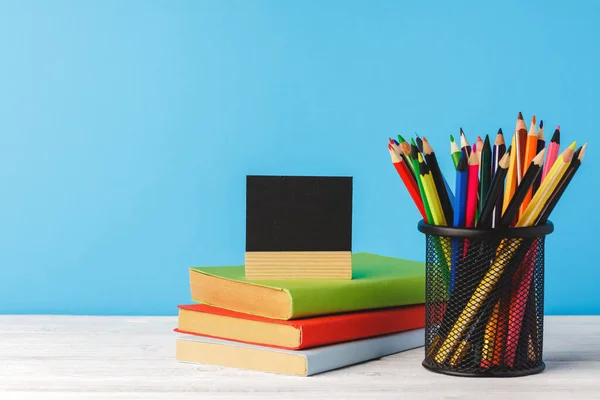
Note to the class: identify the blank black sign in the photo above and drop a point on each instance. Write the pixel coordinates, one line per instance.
(298, 213)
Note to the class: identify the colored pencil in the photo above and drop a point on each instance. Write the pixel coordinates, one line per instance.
(408, 180)
(419, 144)
(553, 149)
(460, 204)
(473, 183)
(530, 153)
(495, 192)
(438, 180)
(533, 170)
(541, 144)
(454, 152)
(521, 133)
(479, 148)
(485, 172)
(511, 176)
(431, 192)
(401, 139)
(557, 194)
(465, 147)
(498, 153)
(415, 162)
(546, 188)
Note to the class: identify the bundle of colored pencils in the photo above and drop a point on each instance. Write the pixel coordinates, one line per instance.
(496, 187)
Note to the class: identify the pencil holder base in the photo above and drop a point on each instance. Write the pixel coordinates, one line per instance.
(484, 311)
(485, 374)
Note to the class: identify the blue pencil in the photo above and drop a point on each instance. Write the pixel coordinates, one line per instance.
(460, 203)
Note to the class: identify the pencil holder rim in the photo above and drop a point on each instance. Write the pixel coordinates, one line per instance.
(475, 233)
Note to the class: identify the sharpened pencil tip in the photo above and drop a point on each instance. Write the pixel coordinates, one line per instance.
(539, 158)
(558, 128)
(541, 124)
(462, 132)
(520, 115)
(500, 132)
(452, 138)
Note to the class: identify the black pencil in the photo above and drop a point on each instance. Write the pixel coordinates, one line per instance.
(485, 172)
(495, 192)
(465, 147)
(532, 172)
(419, 143)
(499, 151)
(438, 180)
(541, 144)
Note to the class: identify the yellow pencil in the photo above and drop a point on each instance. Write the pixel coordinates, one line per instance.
(432, 195)
(547, 187)
(505, 253)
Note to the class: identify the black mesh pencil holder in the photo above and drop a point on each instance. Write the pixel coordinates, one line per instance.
(484, 300)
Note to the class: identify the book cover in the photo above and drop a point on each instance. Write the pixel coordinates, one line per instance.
(377, 282)
(206, 350)
(204, 320)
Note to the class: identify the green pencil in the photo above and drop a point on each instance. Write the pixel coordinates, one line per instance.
(485, 172)
(454, 152)
(401, 139)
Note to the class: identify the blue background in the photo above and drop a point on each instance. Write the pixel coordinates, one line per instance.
(127, 129)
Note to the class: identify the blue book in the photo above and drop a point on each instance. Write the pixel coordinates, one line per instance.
(206, 350)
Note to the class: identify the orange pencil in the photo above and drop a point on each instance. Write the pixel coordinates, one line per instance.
(409, 182)
(530, 153)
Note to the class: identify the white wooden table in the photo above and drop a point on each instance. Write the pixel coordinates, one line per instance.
(68, 357)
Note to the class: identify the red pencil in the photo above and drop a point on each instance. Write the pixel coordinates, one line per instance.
(472, 190)
(409, 181)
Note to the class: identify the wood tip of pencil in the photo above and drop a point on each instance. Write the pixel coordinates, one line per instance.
(427, 149)
(395, 157)
(582, 152)
(473, 158)
(539, 158)
(504, 162)
(568, 155)
(499, 139)
(405, 148)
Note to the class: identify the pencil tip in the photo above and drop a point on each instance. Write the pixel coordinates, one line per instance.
(479, 139)
(520, 115)
(500, 132)
(573, 145)
(533, 119)
(474, 147)
(556, 136)
(558, 128)
(452, 138)
(462, 132)
(582, 152)
(541, 124)
(486, 142)
(539, 158)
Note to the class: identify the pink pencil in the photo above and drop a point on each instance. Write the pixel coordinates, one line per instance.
(472, 189)
(552, 155)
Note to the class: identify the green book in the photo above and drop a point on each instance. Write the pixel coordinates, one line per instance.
(377, 282)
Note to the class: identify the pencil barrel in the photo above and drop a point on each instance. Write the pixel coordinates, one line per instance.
(489, 321)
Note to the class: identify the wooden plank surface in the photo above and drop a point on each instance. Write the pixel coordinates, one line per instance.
(70, 357)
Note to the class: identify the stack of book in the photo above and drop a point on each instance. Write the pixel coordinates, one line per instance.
(303, 327)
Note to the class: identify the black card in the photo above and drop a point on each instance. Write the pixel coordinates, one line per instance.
(298, 213)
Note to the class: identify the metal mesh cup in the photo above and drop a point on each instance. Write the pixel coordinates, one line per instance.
(484, 300)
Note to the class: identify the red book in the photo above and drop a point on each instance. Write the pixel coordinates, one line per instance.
(204, 320)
